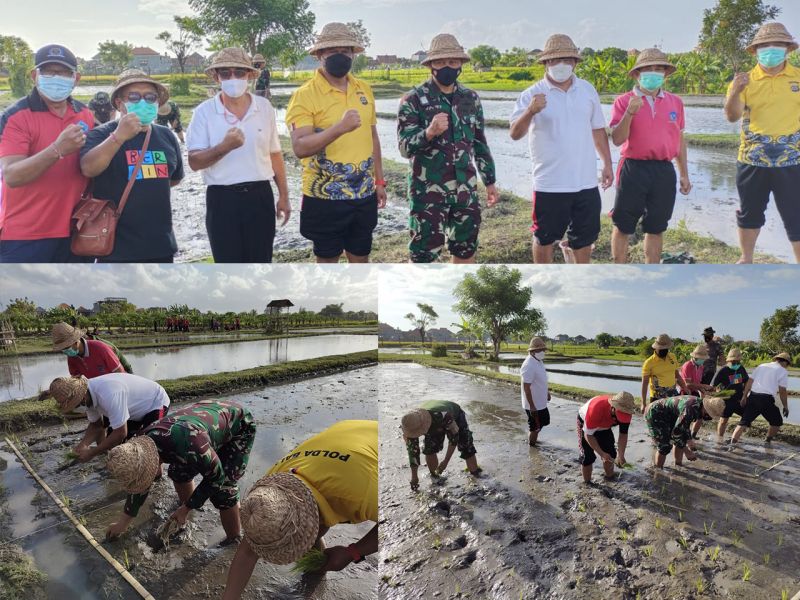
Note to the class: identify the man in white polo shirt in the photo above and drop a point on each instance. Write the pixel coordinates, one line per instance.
(129, 402)
(766, 382)
(533, 389)
(233, 139)
(564, 120)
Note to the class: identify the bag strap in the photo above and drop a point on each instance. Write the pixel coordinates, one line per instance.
(135, 174)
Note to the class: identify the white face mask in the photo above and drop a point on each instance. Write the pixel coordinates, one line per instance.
(539, 355)
(560, 72)
(234, 87)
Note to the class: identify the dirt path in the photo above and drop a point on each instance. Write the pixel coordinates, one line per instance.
(194, 566)
(531, 529)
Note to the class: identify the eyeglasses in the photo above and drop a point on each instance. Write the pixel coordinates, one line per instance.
(237, 73)
(48, 72)
(452, 63)
(149, 97)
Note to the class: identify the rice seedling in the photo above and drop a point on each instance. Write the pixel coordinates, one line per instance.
(682, 499)
(623, 535)
(746, 574)
(700, 586)
(581, 507)
(707, 528)
(671, 570)
(659, 523)
(736, 537)
(437, 543)
(680, 516)
(779, 540)
(65, 499)
(648, 551)
(706, 505)
(713, 554)
(127, 560)
(639, 513)
(601, 523)
(727, 515)
(766, 558)
(311, 561)
(749, 527)
(683, 542)
(784, 594)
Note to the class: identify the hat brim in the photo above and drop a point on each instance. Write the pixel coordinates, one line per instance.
(340, 43)
(67, 343)
(660, 347)
(161, 89)
(463, 56)
(792, 45)
(542, 58)
(229, 65)
(58, 62)
(669, 66)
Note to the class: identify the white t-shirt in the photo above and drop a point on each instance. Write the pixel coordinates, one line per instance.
(560, 136)
(122, 397)
(251, 161)
(767, 378)
(534, 373)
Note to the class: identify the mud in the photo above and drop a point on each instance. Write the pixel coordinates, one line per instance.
(529, 528)
(193, 566)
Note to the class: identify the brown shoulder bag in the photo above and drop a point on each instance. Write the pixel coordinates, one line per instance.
(94, 221)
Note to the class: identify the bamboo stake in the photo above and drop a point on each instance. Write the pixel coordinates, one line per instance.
(776, 464)
(84, 532)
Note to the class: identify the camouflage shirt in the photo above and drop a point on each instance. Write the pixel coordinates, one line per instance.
(443, 421)
(442, 169)
(192, 437)
(669, 420)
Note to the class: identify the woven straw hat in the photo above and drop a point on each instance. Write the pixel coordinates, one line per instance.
(623, 402)
(336, 35)
(134, 464)
(231, 58)
(64, 335)
(783, 356)
(772, 32)
(733, 355)
(652, 57)
(280, 518)
(68, 391)
(537, 343)
(416, 423)
(259, 58)
(662, 341)
(714, 406)
(164, 109)
(129, 76)
(445, 45)
(559, 46)
(700, 351)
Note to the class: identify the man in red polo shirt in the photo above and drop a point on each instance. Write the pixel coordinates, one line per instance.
(648, 123)
(595, 437)
(90, 358)
(40, 136)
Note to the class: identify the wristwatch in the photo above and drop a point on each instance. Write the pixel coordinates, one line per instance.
(351, 549)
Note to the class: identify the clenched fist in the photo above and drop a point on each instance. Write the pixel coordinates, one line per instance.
(129, 126)
(234, 138)
(741, 81)
(635, 105)
(350, 121)
(71, 140)
(538, 104)
(439, 124)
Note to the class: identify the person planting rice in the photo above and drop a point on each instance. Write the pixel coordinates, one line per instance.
(669, 422)
(329, 479)
(86, 356)
(769, 381)
(595, 435)
(210, 438)
(692, 373)
(731, 377)
(435, 420)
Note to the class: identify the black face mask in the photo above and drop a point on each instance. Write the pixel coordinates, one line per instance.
(103, 115)
(447, 75)
(663, 353)
(338, 65)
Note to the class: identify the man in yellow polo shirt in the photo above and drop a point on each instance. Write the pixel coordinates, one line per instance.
(767, 99)
(331, 478)
(660, 372)
(333, 125)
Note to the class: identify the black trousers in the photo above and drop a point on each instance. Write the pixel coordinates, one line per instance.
(240, 220)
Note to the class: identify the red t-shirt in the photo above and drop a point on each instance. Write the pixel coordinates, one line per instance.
(655, 132)
(41, 209)
(596, 415)
(100, 359)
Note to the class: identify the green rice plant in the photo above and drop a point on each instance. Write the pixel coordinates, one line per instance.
(707, 528)
(736, 537)
(766, 558)
(746, 574)
(680, 516)
(671, 570)
(779, 540)
(682, 499)
(65, 499)
(663, 489)
(127, 560)
(648, 551)
(639, 513)
(700, 586)
(437, 543)
(749, 527)
(458, 589)
(713, 554)
(706, 505)
(784, 594)
(311, 561)
(658, 523)
(601, 523)
(578, 580)
(683, 542)
(581, 507)
(623, 535)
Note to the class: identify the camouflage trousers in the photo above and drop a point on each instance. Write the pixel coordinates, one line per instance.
(434, 443)
(433, 223)
(660, 422)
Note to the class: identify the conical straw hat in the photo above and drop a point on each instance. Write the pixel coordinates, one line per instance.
(714, 406)
(68, 392)
(336, 35)
(559, 46)
(537, 343)
(700, 351)
(772, 32)
(231, 58)
(134, 464)
(64, 335)
(652, 57)
(416, 423)
(445, 45)
(733, 355)
(130, 76)
(662, 341)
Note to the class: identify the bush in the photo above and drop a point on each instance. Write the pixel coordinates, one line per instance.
(521, 75)
(629, 351)
(179, 85)
(439, 350)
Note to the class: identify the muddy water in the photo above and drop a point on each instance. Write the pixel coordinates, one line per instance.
(27, 375)
(529, 529)
(194, 567)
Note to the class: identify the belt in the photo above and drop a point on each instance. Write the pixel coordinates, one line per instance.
(242, 188)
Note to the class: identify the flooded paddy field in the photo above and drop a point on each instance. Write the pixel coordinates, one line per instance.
(529, 528)
(193, 566)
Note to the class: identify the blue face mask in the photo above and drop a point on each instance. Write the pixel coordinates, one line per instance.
(735, 366)
(771, 57)
(71, 352)
(651, 80)
(55, 88)
(698, 361)
(144, 110)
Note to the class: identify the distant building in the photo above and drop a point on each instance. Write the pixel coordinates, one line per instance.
(195, 62)
(386, 59)
(111, 303)
(150, 61)
(419, 56)
(83, 311)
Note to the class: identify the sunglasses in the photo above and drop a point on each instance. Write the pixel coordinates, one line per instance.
(149, 97)
(237, 73)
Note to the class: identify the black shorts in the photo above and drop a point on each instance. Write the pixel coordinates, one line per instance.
(240, 220)
(337, 225)
(575, 213)
(761, 404)
(756, 183)
(542, 416)
(733, 405)
(646, 190)
(604, 437)
(135, 427)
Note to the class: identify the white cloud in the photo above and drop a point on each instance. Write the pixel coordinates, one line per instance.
(715, 283)
(165, 9)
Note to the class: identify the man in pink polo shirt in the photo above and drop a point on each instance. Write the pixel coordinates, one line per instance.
(40, 136)
(692, 373)
(648, 123)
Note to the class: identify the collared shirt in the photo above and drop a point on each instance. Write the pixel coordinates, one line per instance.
(560, 136)
(768, 378)
(771, 120)
(442, 169)
(691, 373)
(533, 372)
(655, 131)
(344, 169)
(123, 397)
(251, 161)
(41, 209)
(661, 371)
(340, 467)
(98, 359)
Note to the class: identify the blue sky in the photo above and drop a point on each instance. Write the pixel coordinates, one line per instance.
(207, 287)
(397, 26)
(626, 300)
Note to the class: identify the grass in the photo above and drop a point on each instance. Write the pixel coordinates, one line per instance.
(708, 528)
(683, 542)
(700, 586)
(18, 415)
(713, 554)
(746, 573)
(749, 527)
(671, 570)
(18, 574)
(624, 535)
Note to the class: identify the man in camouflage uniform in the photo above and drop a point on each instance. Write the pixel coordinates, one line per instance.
(715, 355)
(210, 438)
(169, 115)
(263, 81)
(669, 422)
(435, 420)
(440, 129)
